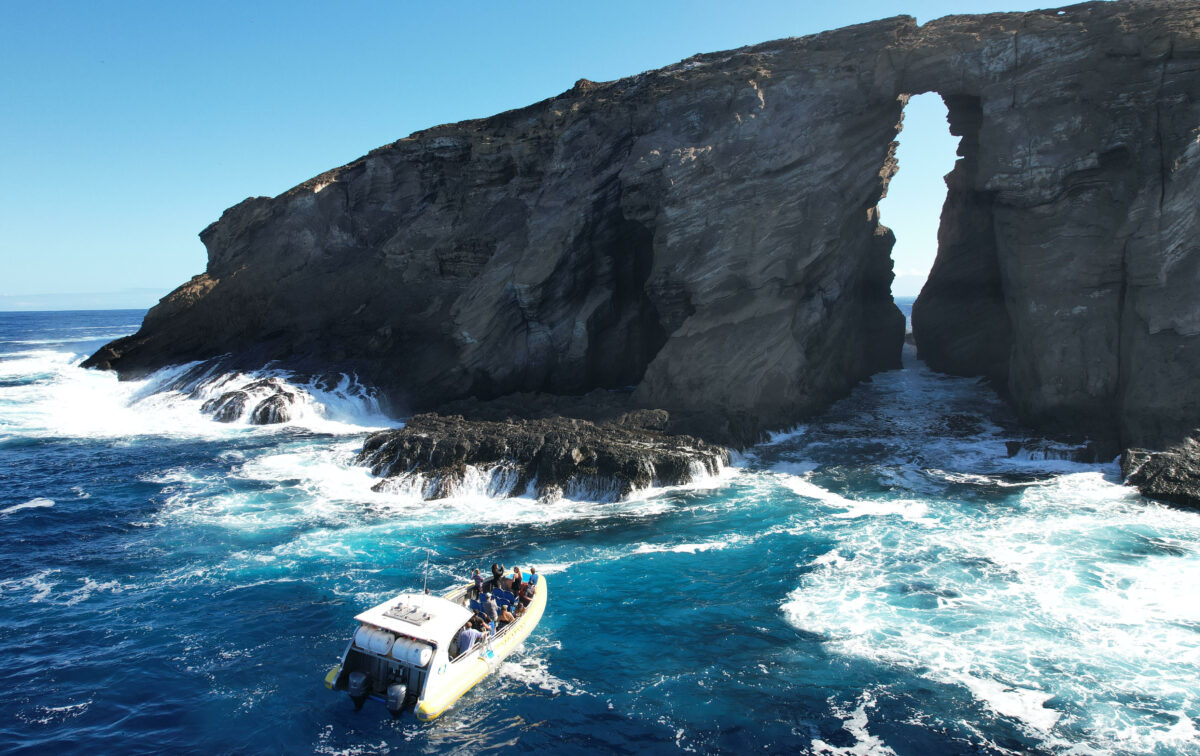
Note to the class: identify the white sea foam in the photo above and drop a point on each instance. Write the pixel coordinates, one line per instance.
(1080, 593)
(553, 568)
(501, 481)
(38, 503)
(855, 723)
(680, 548)
(801, 486)
(910, 509)
(38, 585)
(535, 673)
(45, 715)
(794, 468)
(57, 398)
(89, 587)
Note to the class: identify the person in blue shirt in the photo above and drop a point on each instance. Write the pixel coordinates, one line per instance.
(468, 637)
(533, 576)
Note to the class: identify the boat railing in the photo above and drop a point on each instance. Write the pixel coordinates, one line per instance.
(460, 595)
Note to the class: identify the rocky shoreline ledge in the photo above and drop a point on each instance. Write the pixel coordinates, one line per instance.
(551, 457)
(1171, 476)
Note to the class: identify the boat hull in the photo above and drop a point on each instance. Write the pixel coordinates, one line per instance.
(452, 680)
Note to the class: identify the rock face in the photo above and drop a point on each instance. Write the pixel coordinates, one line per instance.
(439, 455)
(706, 235)
(1068, 265)
(1172, 475)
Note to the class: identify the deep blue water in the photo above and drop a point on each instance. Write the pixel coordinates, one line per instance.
(883, 580)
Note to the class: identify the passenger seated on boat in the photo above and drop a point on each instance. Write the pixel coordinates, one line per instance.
(505, 617)
(530, 590)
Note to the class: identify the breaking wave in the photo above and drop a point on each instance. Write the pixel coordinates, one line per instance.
(45, 393)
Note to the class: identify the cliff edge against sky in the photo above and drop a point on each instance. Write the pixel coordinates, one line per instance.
(705, 236)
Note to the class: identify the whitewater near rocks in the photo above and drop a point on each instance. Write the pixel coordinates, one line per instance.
(884, 579)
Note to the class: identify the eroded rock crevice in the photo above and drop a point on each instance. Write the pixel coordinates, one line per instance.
(960, 319)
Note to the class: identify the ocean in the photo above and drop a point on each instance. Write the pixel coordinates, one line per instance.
(884, 580)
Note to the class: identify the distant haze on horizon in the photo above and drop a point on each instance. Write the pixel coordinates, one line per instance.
(137, 124)
(128, 299)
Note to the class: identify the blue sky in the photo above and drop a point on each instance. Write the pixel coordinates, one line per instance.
(130, 126)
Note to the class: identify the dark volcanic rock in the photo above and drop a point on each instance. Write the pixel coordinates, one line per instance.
(272, 397)
(226, 408)
(549, 457)
(707, 235)
(274, 409)
(614, 408)
(1172, 475)
(1040, 448)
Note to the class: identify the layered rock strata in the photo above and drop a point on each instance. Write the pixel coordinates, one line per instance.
(437, 456)
(1067, 267)
(706, 235)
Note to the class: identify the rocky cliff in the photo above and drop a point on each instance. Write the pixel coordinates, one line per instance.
(705, 238)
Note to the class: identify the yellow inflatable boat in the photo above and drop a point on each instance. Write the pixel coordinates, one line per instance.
(404, 652)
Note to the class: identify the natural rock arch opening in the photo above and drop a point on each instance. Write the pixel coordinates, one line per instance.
(959, 320)
(960, 323)
(912, 203)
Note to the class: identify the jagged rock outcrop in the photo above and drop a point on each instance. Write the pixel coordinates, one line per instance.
(1172, 475)
(270, 398)
(549, 457)
(707, 234)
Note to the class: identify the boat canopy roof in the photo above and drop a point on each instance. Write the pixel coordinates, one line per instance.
(419, 615)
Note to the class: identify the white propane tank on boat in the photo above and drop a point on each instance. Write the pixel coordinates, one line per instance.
(400, 649)
(362, 637)
(381, 642)
(422, 654)
(412, 652)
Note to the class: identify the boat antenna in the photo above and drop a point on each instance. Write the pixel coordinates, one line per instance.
(425, 587)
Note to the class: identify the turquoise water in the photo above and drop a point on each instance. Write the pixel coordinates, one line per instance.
(884, 580)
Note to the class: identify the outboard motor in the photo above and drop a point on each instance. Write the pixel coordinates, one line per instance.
(396, 695)
(358, 687)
